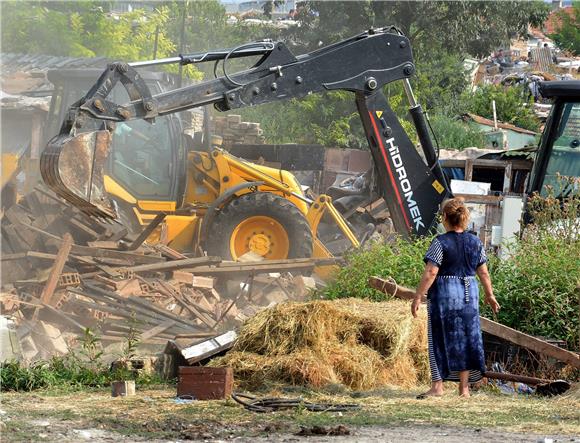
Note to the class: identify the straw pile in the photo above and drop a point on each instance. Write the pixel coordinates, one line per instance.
(353, 342)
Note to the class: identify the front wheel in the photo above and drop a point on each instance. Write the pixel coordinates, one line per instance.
(263, 223)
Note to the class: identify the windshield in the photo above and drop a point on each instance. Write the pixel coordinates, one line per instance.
(141, 157)
(565, 155)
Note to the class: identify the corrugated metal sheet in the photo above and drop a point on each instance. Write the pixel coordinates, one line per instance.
(542, 59)
(11, 63)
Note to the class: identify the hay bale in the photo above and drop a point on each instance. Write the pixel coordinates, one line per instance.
(357, 343)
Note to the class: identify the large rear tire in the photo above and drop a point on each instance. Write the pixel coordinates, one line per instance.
(263, 223)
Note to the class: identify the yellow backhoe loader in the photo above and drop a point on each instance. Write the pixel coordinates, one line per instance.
(130, 161)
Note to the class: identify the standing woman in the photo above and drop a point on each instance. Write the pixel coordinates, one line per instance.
(454, 333)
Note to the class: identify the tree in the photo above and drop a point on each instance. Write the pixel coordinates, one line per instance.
(471, 27)
(513, 105)
(83, 29)
(567, 35)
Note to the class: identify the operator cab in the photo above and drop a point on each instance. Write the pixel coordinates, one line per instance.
(145, 159)
(559, 150)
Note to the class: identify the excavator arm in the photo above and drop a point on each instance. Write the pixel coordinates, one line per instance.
(413, 187)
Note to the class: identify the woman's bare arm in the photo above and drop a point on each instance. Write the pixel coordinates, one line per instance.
(429, 275)
(483, 274)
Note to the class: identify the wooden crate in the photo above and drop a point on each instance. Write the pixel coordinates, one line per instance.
(204, 383)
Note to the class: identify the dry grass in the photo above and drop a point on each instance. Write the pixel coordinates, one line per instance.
(153, 415)
(358, 343)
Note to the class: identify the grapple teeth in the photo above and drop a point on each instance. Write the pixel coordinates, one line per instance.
(73, 167)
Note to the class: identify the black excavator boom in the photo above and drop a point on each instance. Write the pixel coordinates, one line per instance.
(413, 187)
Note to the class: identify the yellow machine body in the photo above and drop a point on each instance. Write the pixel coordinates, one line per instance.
(212, 175)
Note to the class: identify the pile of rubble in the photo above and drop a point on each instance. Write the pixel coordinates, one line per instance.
(64, 273)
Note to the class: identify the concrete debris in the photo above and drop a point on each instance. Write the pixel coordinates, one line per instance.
(123, 388)
(65, 274)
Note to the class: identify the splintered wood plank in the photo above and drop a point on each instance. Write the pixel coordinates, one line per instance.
(56, 270)
(169, 252)
(175, 264)
(193, 280)
(529, 342)
(150, 333)
(168, 290)
(104, 244)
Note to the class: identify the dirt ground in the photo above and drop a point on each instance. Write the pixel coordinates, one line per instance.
(384, 416)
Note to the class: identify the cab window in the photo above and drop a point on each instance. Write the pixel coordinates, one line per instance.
(142, 157)
(565, 156)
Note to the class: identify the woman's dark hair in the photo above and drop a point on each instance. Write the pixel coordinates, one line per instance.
(456, 213)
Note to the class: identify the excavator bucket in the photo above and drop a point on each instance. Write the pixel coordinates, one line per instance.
(73, 167)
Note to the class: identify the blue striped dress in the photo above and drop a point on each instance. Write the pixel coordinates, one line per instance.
(454, 332)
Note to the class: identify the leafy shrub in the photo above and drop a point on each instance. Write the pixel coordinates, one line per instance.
(454, 134)
(536, 288)
(555, 212)
(513, 105)
(402, 260)
(538, 285)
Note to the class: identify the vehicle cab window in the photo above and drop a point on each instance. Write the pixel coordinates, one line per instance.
(142, 157)
(565, 154)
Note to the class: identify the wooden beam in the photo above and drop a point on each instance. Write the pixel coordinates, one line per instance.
(515, 377)
(298, 264)
(491, 327)
(529, 342)
(507, 178)
(482, 199)
(175, 264)
(468, 170)
(156, 330)
(525, 165)
(57, 268)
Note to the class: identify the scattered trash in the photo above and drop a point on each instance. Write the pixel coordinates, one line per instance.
(123, 388)
(306, 431)
(270, 404)
(184, 399)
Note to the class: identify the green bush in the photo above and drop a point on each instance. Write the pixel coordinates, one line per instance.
(402, 260)
(513, 105)
(538, 285)
(536, 288)
(454, 134)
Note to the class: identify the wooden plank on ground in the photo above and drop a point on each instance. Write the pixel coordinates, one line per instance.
(493, 328)
(529, 342)
(150, 333)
